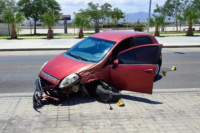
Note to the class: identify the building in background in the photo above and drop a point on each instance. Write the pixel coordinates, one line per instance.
(4, 29)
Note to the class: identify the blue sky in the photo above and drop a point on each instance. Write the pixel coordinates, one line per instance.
(127, 6)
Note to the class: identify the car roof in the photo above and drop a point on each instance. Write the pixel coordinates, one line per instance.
(116, 35)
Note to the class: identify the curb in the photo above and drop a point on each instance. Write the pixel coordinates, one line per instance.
(186, 46)
(176, 90)
(34, 49)
(48, 49)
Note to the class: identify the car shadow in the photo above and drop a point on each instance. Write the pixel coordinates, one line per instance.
(82, 99)
(140, 99)
(157, 78)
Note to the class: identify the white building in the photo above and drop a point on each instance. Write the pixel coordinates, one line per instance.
(4, 29)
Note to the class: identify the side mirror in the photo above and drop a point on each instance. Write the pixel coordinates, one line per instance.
(115, 63)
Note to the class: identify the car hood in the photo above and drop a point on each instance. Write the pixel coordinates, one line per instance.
(62, 66)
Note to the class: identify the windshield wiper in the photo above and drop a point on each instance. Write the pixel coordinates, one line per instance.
(79, 57)
(82, 58)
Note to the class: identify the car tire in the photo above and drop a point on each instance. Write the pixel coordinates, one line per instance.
(157, 71)
(109, 94)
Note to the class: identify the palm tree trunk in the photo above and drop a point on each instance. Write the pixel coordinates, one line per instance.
(156, 31)
(50, 32)
(190, 30)
(34, 27)
(81, 35)
(96, 27)
(14, 33)
(176, 25)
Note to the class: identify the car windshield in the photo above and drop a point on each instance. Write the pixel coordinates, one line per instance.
(91, 49)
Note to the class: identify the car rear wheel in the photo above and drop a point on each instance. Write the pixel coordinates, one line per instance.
(157, 71)
(108, 94)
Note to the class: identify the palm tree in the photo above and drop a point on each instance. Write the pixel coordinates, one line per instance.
(191, 15)
(116, 14)
(81, 21)
(50, 19)
(12, 16)
(157, 22)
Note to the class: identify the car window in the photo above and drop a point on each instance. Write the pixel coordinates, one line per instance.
(123, 45)
(141, 41)
(91, 49)
(142, 55)
(89, 42)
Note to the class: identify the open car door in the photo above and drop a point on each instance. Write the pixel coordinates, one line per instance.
(135, 67)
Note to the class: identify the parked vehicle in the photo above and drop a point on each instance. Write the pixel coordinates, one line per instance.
(102, 64)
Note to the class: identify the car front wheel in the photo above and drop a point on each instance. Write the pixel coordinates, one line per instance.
(109, 94)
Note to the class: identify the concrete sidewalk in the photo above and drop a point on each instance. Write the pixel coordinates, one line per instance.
(158, 113)
(64, 44)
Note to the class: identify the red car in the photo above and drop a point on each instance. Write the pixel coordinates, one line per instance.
(102, 64)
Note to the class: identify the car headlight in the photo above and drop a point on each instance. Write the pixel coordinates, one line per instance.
(43, 65)
(69, 81)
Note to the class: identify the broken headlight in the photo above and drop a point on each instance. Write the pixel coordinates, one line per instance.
(69, 81)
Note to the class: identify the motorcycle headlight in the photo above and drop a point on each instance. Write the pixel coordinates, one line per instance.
(69, 81)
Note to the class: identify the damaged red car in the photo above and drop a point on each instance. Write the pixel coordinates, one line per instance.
(102, 64)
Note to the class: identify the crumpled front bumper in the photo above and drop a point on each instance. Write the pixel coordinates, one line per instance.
(37, 96)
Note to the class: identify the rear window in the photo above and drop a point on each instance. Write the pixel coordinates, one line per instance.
(141, 41)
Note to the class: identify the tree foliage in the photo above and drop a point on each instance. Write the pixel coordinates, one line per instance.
(51, 16)
(191, 14)
(2, 6)
(103, 13)
(106, 9)
(81, 21)
(116, 14)
(182, 10)
(12, 16)
(95, 13)
(157, 21)
(50, 19)
(35, 9)
(171, 8)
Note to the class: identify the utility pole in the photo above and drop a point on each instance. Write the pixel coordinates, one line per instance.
(149, 17)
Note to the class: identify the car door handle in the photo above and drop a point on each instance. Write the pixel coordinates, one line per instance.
(149, 70)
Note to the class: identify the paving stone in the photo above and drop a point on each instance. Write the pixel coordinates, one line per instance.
(157, 113)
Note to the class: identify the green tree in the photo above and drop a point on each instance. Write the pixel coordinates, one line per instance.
(94, 12)
(35, 9)
(196, 4)
(12, 16)
(171, 8)
(81, 21)
(2, 6)
(50, 19)
(106, 11)
(191, 15)
(157, 21)
(51, 16)
(116, 14)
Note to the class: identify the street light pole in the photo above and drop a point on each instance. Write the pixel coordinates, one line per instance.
(149, 17)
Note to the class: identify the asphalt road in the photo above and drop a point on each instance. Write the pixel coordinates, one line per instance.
(19, 69)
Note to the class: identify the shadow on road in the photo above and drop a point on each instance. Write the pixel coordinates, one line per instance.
(159, 77)
(179, 53)
(140, 99)
(83, 99)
